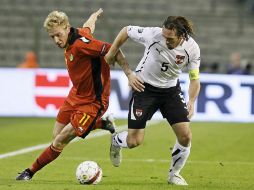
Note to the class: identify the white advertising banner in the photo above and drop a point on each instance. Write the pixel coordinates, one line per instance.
(40, 92)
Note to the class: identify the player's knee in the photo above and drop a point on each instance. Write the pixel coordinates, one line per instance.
(132, 143)
(185, 139)
(58, 144)
(59, 141)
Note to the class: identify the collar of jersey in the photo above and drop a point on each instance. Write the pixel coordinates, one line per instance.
(72, 37)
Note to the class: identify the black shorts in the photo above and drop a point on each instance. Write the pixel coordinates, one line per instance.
(169, 101)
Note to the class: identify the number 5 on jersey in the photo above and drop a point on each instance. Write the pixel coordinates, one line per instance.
(164, 66)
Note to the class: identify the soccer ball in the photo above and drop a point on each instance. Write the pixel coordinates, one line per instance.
(89, 172)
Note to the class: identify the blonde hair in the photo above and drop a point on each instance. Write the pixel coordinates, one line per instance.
(55, 19)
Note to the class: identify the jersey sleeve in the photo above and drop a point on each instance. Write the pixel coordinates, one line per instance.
(86, 31)
(92, 47)
(194, 58)
(194, 64)
(140, 34)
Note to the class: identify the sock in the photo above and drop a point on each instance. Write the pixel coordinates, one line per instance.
(179, 156)
(47, 156)
(99, 124)
(120, 139)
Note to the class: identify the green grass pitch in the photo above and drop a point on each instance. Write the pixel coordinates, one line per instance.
(221, 158)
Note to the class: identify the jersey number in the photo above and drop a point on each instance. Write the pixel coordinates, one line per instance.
(164, 66)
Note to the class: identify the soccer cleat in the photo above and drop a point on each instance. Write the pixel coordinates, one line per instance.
(109, 124)
(25, 175)
(115, 153)
(176, 179)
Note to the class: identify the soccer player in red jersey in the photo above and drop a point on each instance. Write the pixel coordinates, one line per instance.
(88, 98)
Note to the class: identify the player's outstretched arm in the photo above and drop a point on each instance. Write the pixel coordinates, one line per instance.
(118, 42)
(115, 54)
(90, 23)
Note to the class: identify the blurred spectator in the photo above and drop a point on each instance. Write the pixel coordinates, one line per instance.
(210, 68)
(247, 69)
(234, 66)
(214, 67)
(30, 61)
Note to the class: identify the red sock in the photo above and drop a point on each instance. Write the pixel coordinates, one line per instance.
(47, 156)
(99, 124)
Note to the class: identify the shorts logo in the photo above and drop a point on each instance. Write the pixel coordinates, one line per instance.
(139, 112)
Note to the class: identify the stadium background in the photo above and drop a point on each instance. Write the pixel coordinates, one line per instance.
(221, 27)
(225, 158)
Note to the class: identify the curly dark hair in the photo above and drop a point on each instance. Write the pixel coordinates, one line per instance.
(183, 26)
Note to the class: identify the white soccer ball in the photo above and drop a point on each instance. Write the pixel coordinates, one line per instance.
(89, 172)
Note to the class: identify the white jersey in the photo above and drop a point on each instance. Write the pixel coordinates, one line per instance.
(160, 66)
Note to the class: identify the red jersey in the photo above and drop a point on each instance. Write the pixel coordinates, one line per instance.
(88, 71)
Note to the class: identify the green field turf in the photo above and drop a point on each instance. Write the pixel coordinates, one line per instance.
(222, 157)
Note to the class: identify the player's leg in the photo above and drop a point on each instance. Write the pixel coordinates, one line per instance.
(130, 139)
(58, 128)
(63, 118)
(106, 123)
(81, 123)
(175, 111)
(95, 112)
(55, 149)
(180, 152)
(50, 153)
(141, 108)
(135, 137)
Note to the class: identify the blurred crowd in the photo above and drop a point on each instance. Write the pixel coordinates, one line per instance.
(30, 61)
(236, 65)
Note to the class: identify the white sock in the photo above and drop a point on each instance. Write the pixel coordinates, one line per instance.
(179, 156)
(120, 139)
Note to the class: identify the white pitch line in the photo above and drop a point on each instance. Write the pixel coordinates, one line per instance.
(151, 160)
(24, 150)
(43, 146)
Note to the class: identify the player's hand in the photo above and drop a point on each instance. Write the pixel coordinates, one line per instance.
(110, 58)
(99, 12)
(135, 82)
(190, 107)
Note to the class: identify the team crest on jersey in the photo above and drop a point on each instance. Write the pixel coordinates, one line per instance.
(179, 59)
(139, 112)
(71, 57)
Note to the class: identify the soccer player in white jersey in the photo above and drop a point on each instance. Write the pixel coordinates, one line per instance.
(156, 86)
